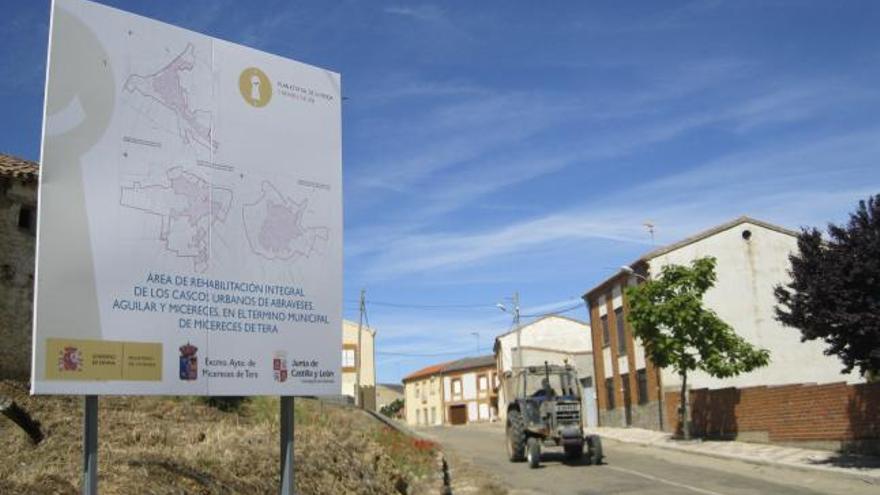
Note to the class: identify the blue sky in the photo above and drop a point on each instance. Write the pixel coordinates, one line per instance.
(493, 147)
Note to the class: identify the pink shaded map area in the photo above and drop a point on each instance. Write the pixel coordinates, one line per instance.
(165, 87)
(188, 206)
(274, 227)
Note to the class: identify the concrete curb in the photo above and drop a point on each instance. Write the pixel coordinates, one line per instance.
(868, 477)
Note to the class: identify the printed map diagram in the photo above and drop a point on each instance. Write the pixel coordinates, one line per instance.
(188, 206)
(274, 227)
(168, 139)
(165, 87)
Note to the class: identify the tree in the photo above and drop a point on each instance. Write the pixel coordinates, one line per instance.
(392, 410)
(834, 293)
(668, 316)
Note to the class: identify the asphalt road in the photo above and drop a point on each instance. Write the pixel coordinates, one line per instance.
(633, 469)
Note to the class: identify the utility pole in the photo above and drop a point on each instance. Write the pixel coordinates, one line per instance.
(650, 226)
(518, 330)
(357, 364)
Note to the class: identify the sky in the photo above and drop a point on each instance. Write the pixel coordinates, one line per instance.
(499, 147)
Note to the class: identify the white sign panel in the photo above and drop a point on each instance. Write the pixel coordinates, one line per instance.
(190, 215)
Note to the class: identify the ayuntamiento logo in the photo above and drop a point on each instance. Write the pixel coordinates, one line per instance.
(255, 87)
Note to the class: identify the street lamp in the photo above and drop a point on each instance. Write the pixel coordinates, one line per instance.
(502, 307)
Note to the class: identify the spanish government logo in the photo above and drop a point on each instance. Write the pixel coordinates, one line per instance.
(70, 359)
(255, 87)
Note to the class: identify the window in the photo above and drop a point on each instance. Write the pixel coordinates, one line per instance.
(621, 334)
(456, 388)
(348, 358)
(609, 390)
(433, 416)
(606, 338)
(483, 384)
(642, 376)
(418, 416)
(26, 219)
(433, 384)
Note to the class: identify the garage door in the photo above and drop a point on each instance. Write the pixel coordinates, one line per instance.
(458, 414)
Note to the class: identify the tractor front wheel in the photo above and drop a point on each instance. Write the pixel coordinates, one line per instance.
(534, 455)
(574, 452)
(595, 454)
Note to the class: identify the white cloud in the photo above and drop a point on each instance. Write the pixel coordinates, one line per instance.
(792, 183)
(419, 12)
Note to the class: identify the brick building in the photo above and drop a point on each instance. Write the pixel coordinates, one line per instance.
(18, 206)
(752, 258)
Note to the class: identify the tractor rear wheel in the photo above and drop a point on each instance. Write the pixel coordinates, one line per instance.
(516, 437)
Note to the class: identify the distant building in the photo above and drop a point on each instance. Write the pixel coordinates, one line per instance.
(18, 220)
(456, 392)
(386, 393)
(469, 390)
(553, 339)
(423, 396)
(752, 258)
(358, 364)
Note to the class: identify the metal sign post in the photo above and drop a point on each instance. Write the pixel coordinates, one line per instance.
(90, 445)
(286, 445)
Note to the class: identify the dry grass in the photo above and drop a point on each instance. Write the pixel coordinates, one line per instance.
(163, 445)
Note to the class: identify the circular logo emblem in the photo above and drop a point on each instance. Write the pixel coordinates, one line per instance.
(255, 87)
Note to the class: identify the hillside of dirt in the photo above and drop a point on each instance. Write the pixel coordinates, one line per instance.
(170, 445)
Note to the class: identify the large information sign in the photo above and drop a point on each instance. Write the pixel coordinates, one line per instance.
(190, 215)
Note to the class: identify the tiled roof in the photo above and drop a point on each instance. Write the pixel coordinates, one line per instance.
(694, 238)
(457, 365)
(540, 318)
(18, 167)
(470, 362)
(426, 371)
(714, 230)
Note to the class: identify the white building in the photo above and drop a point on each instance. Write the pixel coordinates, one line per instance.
(358, 364)
(469, 390)
(556, 340)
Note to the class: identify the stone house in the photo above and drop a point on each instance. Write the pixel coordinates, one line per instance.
(18, 218)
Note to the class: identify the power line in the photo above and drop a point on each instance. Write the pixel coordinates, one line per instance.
(561, 311)
(423, 306)
(410, 354)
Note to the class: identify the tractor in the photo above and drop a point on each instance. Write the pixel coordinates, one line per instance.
(546, 411)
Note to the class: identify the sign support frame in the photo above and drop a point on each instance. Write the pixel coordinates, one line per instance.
(286, 443)
(90, 445)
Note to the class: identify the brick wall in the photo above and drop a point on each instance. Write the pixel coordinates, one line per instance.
(831, 416)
